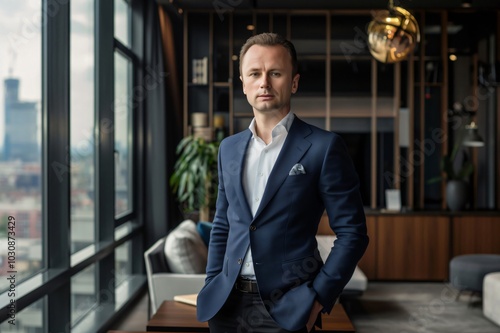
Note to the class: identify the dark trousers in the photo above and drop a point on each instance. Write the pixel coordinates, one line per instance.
(245, 313)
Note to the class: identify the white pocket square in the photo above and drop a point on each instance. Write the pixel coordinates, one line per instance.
(298, 169)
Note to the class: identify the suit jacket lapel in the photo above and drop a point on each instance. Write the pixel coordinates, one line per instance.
(294, 148)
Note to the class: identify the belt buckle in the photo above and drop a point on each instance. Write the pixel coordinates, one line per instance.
(245, 285)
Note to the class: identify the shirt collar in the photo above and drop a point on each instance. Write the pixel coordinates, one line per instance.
(283, 126)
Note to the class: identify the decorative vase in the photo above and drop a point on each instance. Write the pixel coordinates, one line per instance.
(456, 194)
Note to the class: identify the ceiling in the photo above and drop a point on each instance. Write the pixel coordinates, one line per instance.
(326, 4)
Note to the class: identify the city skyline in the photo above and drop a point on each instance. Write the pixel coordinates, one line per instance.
(21, 39)
(21, 137)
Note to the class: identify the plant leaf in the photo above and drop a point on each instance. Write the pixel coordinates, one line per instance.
(466, 171)
(447, 167)
(194, 170)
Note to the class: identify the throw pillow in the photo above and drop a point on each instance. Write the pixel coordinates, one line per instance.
(185, 250)
(204, 229)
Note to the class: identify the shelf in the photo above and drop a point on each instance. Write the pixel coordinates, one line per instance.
(310, 114)
(416, 58)
(361, 107)
(222, 84)
(312, 105)
(430, 84)
(351, 57)
(311, 57)
(243, 115)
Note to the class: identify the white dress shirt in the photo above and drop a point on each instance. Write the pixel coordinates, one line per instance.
(259, 162)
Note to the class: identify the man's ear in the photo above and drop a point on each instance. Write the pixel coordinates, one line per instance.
(243, 84)
(295, 83)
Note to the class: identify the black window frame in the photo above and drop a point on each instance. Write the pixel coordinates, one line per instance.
(53, 284)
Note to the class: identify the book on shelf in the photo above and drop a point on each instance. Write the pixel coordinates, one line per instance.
(200, 70)
(206, 133)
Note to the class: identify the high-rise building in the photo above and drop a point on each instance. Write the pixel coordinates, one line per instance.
(21, 130)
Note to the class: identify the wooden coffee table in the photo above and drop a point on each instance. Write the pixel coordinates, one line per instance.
(178, 317)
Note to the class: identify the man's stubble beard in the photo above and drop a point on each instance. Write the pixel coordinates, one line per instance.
(267, 107)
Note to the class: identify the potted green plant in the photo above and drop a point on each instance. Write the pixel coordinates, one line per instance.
(194, 180)
(456, 180)
(448, 168)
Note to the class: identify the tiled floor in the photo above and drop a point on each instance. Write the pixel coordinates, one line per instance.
(387, 307)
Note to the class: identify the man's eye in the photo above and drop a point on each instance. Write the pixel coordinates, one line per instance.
(275, 74)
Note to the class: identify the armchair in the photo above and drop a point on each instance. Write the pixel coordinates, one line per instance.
(188, 253)
(162, 283)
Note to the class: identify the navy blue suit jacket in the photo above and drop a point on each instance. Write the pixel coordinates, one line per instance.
(289, 271)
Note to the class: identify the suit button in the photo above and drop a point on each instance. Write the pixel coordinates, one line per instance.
(253, 228)
(240, 261)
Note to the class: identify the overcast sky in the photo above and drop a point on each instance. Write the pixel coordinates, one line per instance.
(20, 49)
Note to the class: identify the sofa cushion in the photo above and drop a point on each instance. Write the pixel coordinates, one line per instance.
(156, 258)
(185, 250)
(204, 229)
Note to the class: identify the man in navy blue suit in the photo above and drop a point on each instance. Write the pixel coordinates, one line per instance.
(264, 271)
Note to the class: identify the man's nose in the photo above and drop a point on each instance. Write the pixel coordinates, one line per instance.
(265, 82)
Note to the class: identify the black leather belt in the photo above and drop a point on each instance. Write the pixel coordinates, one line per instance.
(246, 286)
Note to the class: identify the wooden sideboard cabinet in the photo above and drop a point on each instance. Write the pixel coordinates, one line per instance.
(476, 234)
(418, 246)
(368, 263)
(412, 247)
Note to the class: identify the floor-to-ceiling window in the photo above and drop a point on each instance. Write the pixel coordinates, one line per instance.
(82, 118)
(125, 105)
(68, 193)
(21, 241)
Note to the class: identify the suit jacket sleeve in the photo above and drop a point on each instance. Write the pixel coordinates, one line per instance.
(339, 188)
(220, 228)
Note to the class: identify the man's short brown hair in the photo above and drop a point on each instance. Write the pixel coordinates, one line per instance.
(271, 39)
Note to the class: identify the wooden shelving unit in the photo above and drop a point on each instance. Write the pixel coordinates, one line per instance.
(342, 89)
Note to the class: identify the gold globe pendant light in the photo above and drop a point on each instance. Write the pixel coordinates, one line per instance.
(392, 34)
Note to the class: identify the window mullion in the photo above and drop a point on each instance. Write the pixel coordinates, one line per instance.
(104, 97)
(56, 180)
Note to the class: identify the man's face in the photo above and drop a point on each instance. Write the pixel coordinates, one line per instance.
(266, 73)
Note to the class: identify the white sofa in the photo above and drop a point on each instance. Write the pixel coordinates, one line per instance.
(164, 285)
(358, 282)
(491, 297)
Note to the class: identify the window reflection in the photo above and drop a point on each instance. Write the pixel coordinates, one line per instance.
(82, 123)
(122, 22)
(20, 141)
(123, 262)
(29, 320)
(123, 135)
(83, 295)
